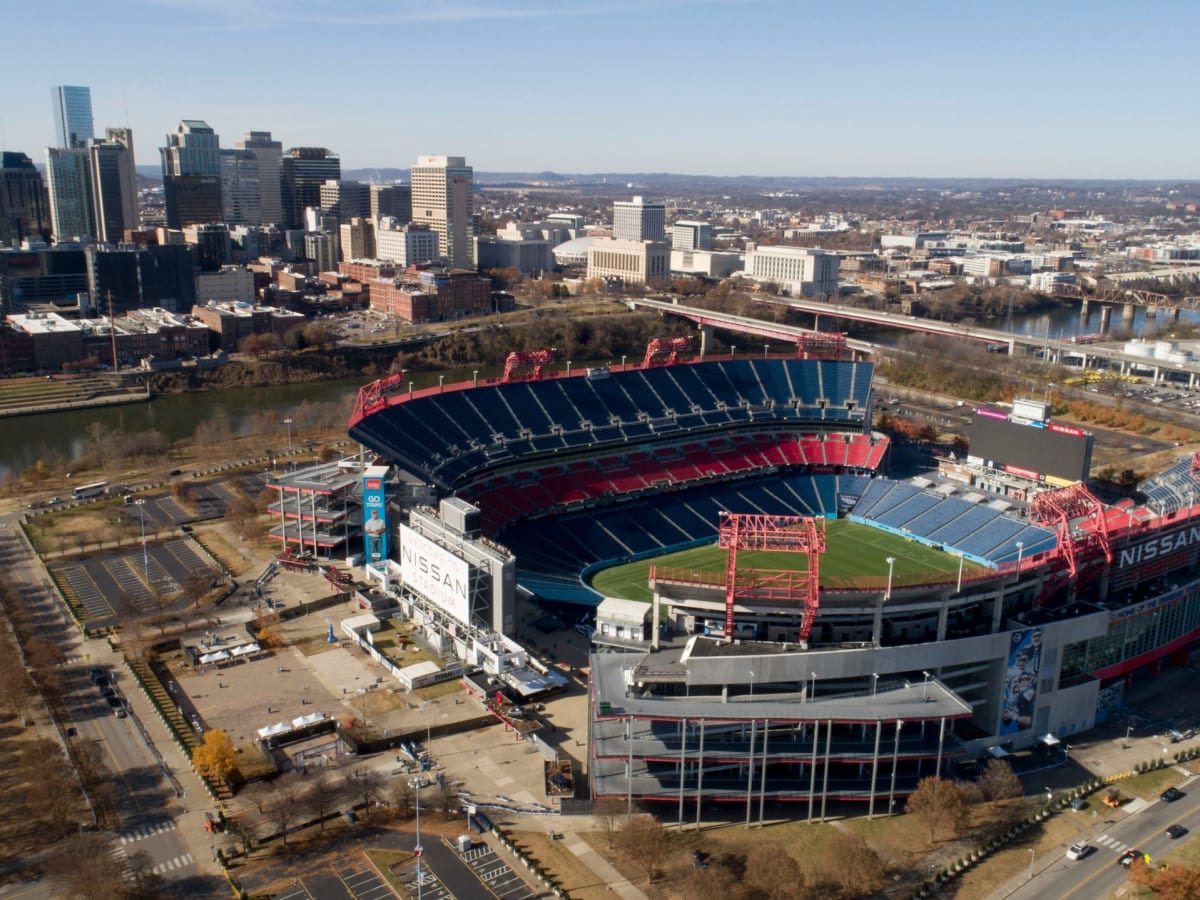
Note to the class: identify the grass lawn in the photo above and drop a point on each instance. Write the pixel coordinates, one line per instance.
(1149, 785)
(855, 554)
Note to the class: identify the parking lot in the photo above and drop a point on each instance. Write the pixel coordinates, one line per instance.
(105, 583)
(494, 872)
(363, 882)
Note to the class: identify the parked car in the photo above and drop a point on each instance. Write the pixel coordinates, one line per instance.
(1078, 850)
(1170, 795)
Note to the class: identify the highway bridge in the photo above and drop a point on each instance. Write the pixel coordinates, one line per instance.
(1057, 351)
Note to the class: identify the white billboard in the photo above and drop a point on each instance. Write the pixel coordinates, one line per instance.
(435, 573)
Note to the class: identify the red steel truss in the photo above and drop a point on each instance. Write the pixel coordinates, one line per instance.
(1082, 527)
(1195, 465)
(526, 365)
(665, 351)
(787, 534)
(821, 345)
(375, 394)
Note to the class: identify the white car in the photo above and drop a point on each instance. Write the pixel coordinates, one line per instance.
(1078, 850)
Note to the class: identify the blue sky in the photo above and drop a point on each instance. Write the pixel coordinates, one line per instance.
(845, 87)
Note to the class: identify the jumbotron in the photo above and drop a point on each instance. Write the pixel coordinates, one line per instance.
(858, 633)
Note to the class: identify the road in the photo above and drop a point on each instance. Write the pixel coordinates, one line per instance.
(1097, 874)
(144, 798)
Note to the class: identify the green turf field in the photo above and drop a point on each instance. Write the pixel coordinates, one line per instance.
(853, 552)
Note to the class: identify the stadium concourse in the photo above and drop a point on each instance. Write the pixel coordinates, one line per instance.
(766, 689)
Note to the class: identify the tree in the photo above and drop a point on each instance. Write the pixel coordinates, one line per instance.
(644, 841)
(366, 784)
(773, 873)
(852, 864)
(1173, 882)
(141, 881)
(283, 808)
(610, 816)
(85, 868)
(322, 797)
(938, 805)
(999, 782)
(716, 881)
(215, 758)
(402, 796)
(195, 585)
(16, 687)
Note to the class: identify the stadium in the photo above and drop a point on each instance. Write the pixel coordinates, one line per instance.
(816, 631)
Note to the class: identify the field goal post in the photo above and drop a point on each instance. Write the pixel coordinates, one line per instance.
(786, 534)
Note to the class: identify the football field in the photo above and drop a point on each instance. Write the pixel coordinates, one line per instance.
(853, 552)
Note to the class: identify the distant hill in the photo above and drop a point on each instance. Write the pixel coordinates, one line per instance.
(663, 182)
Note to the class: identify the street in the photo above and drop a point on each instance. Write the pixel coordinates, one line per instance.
(1098, 874)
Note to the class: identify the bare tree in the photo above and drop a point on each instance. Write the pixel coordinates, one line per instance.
(610, 815)
(852, 864)
(402, 797)
(85, 868)
(322, 798)
(644, 841)
(367, 784)
(773, 873)
(999, 782)
(938, 805)
(284, 808)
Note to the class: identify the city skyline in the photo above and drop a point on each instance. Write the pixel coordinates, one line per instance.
(761, 88)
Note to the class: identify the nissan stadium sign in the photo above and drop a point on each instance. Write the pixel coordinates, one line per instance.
(435, 573)
(1159, 546)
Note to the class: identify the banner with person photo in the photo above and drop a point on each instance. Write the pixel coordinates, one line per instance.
(374, 519)
(1020, 680)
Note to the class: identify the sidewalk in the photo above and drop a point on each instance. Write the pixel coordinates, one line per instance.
(605, 871)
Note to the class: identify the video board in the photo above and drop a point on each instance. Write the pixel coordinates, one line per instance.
(1032, 451)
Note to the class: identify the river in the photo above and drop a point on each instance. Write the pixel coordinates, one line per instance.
(25, 439)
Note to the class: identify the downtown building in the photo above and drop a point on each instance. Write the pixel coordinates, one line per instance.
(303, 172)
(24, 204)
(639, 220)
(443, 198)
(800, 271)
(191, 166)
(267, 154)
(628, 261)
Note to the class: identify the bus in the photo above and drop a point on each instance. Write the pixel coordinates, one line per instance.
(95, 489)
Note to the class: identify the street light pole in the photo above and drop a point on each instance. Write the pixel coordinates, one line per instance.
(1020, 555)
(1031, 857)
(288, 423)
(418, 851)
(141, 503)
(958, 588)
(752, 684)
(812, 695)
(891, 561)
(925, 687)
(874, 684)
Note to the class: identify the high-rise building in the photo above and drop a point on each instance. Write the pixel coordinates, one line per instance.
(268, 154)
(72, 116)
(147, 277)
(241, 195)
(303, 170)
(405, 245)
(801, 271)
(357, 239)
(70, 186)
(393, 200)
(443, 199)
(686, 235)
(191, 166)
(639, 220)
(24, 212)
(346, 199)
(113, 177)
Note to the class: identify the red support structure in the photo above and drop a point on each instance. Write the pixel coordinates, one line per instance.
(1195, 465)
(786, 534)
(821, 345)
(665, 351)
(526, 365)
(374, 395)
(1081, 523)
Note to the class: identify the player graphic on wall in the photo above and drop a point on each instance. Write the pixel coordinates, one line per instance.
(374, 528)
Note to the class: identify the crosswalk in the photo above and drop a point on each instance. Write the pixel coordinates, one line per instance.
(1111, 843)
(172, 864)
(141, 834)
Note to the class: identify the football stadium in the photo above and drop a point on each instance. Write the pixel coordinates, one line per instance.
(776, 620)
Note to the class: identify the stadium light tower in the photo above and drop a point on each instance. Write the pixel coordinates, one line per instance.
(416, 784)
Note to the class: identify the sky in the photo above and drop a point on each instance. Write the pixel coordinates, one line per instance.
(922, 88)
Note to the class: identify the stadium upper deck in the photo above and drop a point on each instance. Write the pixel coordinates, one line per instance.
(454, 434)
